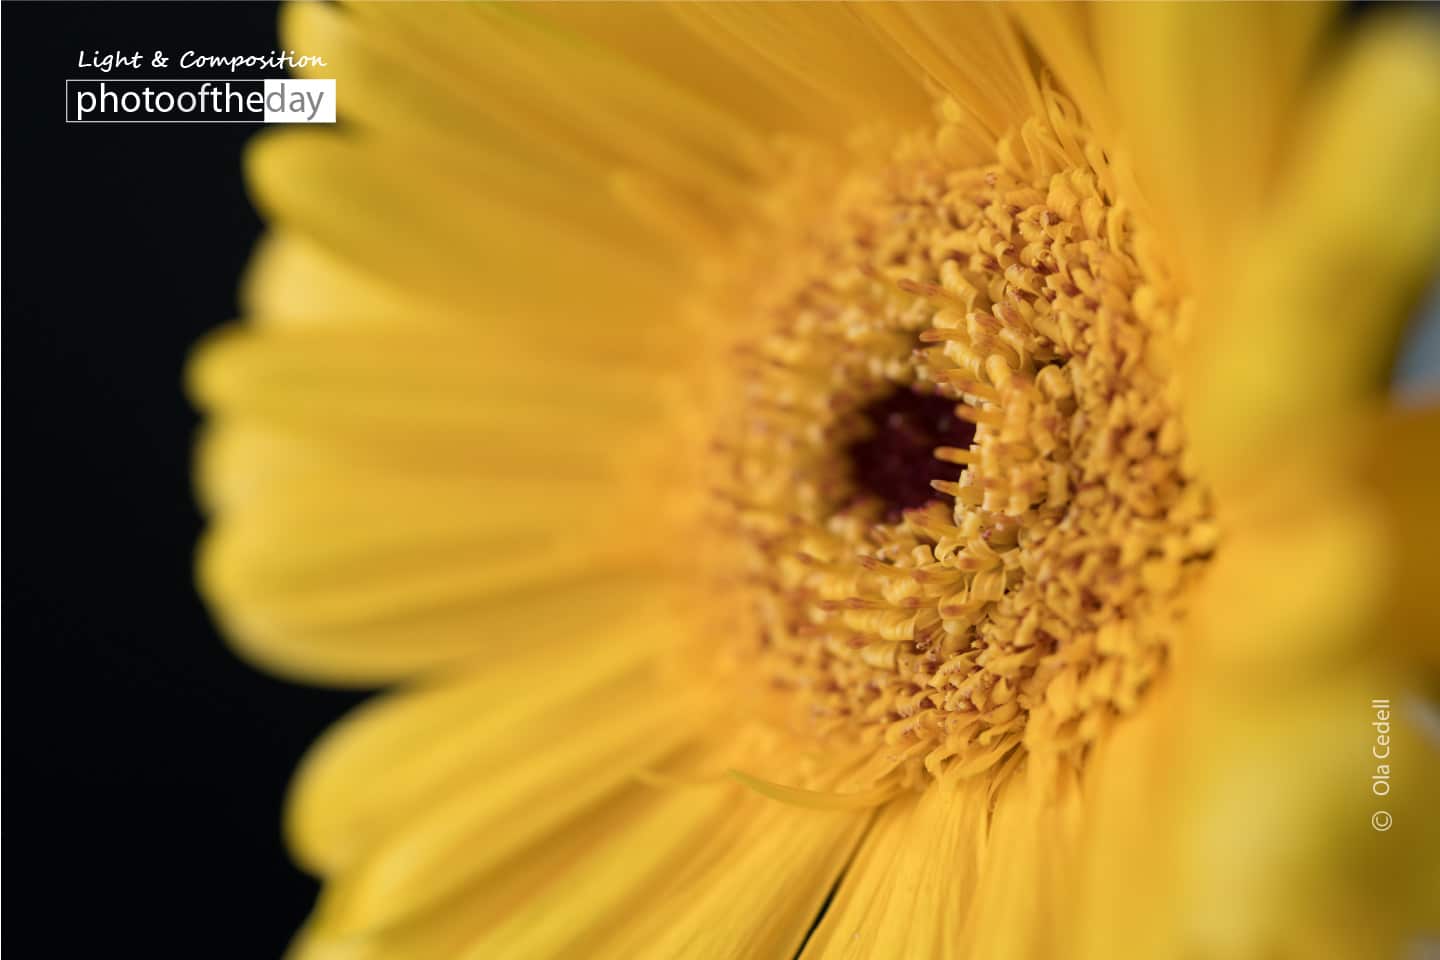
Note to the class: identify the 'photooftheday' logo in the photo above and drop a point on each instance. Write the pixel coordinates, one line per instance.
(200, 101)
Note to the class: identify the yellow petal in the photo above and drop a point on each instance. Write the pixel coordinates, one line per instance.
(972, 51)
(1300, 572)
(558, 896)
(366, 582)
(1343, 523)
(1204, 94)
(1405, 461)
(1125, 901)
(563, 94)
(1063, 35)
(388, 760)
(400, 97)
(1029, 874)
(825, 50)
(1277, 759)
(751, 887)
(656, 36)
(432, 797)
(466, 244)
(815, 799)
(1304, 332)
(387, 376)
(532, 154)
(611, 869)
(293, 281)
(909, 891)
(1329, 799)
(381, 495)
(386, 621)
(710, 872)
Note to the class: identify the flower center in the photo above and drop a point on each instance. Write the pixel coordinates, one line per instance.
(896, 462)
(948, 457)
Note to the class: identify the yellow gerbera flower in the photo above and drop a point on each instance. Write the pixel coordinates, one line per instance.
(875, 481)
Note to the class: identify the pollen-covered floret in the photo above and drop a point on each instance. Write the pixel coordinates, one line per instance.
(1040, 591)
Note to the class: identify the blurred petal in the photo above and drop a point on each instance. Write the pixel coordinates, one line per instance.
(471, 242)
(389, 761)
(662, 37)
(294, 281)
(384, 498)
(447, 797)
(1404, 468)
(1204, 95)
(1305, 334)
(972, 51)
(1303, 525)
(825, 50)
(560, 95)
(1284, 767)
(559, 894)
(1123, 900)
(1063, 35)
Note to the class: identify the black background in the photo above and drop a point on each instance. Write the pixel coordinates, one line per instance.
(146, 764)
